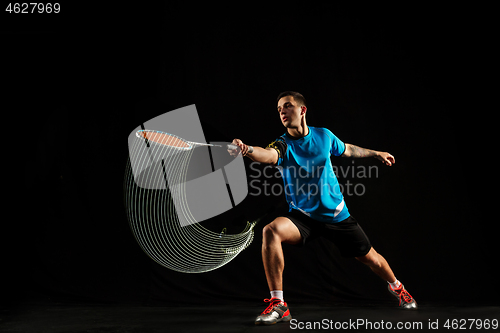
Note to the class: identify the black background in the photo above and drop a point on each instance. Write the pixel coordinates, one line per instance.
(404, 79)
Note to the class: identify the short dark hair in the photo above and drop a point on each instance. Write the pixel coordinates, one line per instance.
(296, 96)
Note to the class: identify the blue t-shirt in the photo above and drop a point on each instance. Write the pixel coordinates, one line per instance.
(311, 185)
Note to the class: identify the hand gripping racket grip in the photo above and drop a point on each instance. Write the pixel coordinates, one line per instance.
(233, 147)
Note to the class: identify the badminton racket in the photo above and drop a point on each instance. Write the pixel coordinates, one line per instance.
(173, 141)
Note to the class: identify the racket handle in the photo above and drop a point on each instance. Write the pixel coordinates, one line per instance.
(233, 147)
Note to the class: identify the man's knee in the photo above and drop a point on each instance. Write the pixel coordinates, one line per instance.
(269, 233)
(281, 230)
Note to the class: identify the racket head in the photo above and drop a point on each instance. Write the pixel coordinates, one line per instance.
(164, 139)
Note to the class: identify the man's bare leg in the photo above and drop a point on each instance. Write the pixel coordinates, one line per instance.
(281, 230)
(378, 265)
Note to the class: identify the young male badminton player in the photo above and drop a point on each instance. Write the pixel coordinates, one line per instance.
(323, 214)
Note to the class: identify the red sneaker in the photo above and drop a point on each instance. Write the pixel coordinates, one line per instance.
(406, 301)
(276, 311)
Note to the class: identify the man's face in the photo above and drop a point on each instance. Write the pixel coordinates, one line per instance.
(290, 112)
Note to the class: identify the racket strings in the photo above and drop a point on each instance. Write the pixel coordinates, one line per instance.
(153, 213)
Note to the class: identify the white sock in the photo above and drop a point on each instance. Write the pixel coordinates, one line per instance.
(395, 285)
(277, 294)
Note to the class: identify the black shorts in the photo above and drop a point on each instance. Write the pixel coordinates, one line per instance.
(347, 235)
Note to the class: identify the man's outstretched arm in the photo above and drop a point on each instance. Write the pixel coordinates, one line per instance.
(258, 154)
(358, 152)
